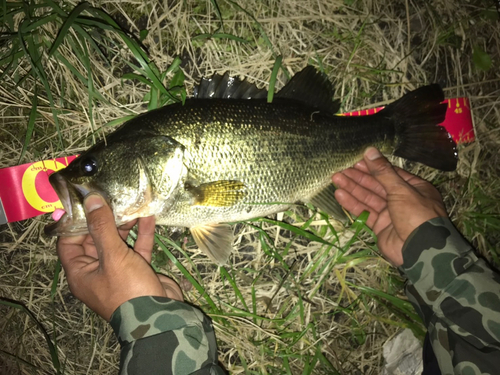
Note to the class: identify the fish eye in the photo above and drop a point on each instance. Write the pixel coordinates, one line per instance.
(89, 166)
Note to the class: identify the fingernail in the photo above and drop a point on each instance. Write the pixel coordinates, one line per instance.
(335, 179)
(372, 153)
(93, 202)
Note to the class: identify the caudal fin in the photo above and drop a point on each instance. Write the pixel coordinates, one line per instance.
(418, 137)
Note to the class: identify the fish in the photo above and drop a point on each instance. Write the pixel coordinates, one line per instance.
(227, 155)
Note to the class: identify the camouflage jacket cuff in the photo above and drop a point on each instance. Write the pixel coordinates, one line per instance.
(146, 316)
(435, 254)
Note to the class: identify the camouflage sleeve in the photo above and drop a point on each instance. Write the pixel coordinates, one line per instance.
(159, 335)
(457, 295)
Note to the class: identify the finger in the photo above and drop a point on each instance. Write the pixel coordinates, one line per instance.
(102, 228)
(382, 222)
(361, 166)
(145, 237)
(420, 185)
(354, 206)
(383, 171)
(69, 248)
(89, 247)
(406, 175)
(365, 196)
(366, 180)
(172, 289)
(124, 229)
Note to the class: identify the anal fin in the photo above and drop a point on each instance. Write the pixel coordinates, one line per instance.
(325, 201)
(217, 194)
(215, 240)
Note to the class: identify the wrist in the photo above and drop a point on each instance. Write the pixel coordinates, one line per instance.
(435, 253)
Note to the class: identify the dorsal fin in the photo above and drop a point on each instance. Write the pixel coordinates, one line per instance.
(311, 87)
(226, 87)
(308, 86)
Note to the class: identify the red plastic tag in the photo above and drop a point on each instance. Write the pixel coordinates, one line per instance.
(25, 190)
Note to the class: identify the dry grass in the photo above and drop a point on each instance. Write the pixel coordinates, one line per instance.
(311, 300)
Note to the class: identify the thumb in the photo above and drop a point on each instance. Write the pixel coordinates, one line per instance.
(380, 168)
(101, 224)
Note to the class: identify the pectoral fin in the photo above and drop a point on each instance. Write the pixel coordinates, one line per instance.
(216, 240)
(325, 201)
(217, 194)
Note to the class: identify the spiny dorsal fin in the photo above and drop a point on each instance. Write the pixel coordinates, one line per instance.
(311, 87)
(325, 201)
(215, 240)
(222, 193)
(226, 87)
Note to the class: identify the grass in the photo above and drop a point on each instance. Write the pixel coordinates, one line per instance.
(301, 294)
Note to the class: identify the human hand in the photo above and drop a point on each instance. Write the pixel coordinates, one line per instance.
(398, 201)
(102, 271)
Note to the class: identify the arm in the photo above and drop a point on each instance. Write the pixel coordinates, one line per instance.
(159, 335)
(157, 331)
(457, 295)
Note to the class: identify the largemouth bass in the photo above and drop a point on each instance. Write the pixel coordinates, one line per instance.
(228, 155)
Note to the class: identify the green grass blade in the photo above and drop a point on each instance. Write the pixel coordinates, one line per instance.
(328, 364)
(231, 281)
(174, 66)
(272, 80)
(138, 77)
(308, 369)
(286, 366)
(52, 349)
(265, 240)
(76, 26)
(18, 359)
(35, 25)
(254, 303)
(31, 54)
(151, 71)
(63, 31)
(293, 229)
(119, 121)
(153, 99)
(55, 280)
(219, 14)
(404, 306)
(4, 12)
(85, 58)
(263, 33)
(358, 226)
(187, 275)
(11, 57)
(77, 74)
(31, 124)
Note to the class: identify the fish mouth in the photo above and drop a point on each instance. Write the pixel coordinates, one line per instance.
(73, 221)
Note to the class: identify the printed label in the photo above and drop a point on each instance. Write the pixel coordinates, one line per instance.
(25, 190)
